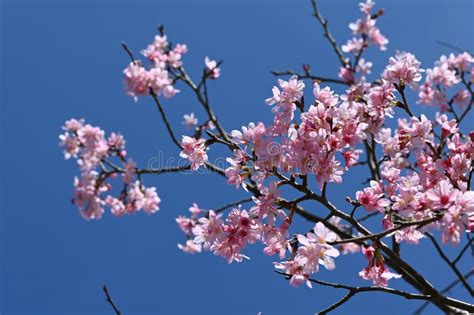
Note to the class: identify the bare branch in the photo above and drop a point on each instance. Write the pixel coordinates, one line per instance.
(108, 298)
(232, 204)
(377, 236)
(165, 120)
(445, 290)
(465, 248)
(327, 33)
(204, 101)
(345, 299)
(451, 264)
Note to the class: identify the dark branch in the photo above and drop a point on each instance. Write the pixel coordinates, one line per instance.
(232, 204)
(108, 298)
(451, 264)
(445, 290)
(377, 236)
(165, 119)
(327, 33)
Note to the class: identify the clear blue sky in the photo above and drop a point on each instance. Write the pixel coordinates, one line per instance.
(63, 59)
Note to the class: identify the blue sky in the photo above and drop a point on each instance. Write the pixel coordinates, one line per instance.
(63, 59)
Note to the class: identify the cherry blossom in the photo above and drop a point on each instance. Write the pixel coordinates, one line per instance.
(403, 69)
(93, 152)
(195, 151)
(212, 68)
(419, 165)
(376, 270)
(189, 120)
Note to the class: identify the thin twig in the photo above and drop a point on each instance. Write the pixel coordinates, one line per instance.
(355, 290)
(377, 236)
(327, 33)
(450, 264)
(465, 248)
(165, 119)
(232, 204)
(445, 290)
(108, 298)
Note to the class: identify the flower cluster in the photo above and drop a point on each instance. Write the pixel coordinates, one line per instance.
(403, 69)
(228, 237)
(224, 238)
(376, 270)
(447, 73)
(327, 128)
(420, 171)
(92, 150)
(195, 151)
(314, 251)
(140, 81)
(212, 68)
(434, 184)
(365, 27)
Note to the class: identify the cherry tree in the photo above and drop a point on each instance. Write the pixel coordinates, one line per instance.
(420, 172)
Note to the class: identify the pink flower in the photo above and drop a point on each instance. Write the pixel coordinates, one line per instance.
(275, 239)
(129, 172)
(366, 7)
(93, 152)
(212, 68)
(296, 269)
(443, 195)
(404, 68)
(377, 38)
(136, 80)
(208, 230)
(353, 45)
(346, 75)
(314, 252)
(431, 96)
(372, 198)
(141, 197)
(442, 74)
(376, 270)
(410, 235)
(155, 50)
(325, 96)
(363, 67)
(185, 224)
(227, 240)
(116, 205)
(291, 91)
(87, 196)
(139, 81)
(462, 97)
(189, 120)
(195, 151)
(351, 157)
(362, 26)
(195, 210)
(190, 247)
(235, 173)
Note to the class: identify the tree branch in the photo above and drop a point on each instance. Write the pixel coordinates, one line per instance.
(165, 120)
(450, 264)
(445, 290)
(377, 236)
(108, 298)
(327, 33)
